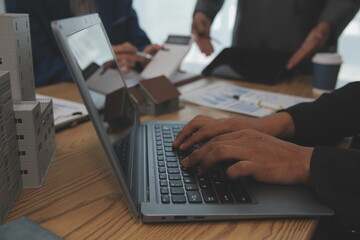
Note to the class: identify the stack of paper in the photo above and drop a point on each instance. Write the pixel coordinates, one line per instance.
(66, 113)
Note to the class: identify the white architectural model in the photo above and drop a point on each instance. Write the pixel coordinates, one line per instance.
(34, 119)
(10, 179)
(36, 139)
(16, 55)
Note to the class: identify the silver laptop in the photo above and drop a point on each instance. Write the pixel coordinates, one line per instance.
(148, 170)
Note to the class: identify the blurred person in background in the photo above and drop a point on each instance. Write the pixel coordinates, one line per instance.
(119, 19)
(299, 27)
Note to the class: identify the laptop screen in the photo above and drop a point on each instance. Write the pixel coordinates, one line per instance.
(95, 59)
(93, 66)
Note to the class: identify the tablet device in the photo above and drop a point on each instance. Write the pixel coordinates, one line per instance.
(249, 65)
(167, 61)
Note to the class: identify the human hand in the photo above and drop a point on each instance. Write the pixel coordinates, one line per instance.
(126, 56)
(151, 49)
(202, 128)
(201, 29)
(263, 157)
(315, 40)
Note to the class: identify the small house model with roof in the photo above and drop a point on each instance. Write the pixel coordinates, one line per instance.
(156, 96)
(153, 96)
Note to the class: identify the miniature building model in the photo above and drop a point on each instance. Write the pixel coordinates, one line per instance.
(16, 55)
(156, 96)
(36, 139)
(34, 119)
(10, 178)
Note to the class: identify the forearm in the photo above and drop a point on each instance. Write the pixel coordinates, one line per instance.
(279, 125)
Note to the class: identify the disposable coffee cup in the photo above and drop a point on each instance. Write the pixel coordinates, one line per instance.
(326, 70)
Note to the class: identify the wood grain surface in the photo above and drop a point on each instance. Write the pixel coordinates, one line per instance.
(81, 199)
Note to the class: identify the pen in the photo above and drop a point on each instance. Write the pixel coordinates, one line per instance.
(71, 123)
(144, 55)
(264, 104)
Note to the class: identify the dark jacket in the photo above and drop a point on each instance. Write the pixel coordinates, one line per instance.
(335, 172)
(118, 16)
(282, 25)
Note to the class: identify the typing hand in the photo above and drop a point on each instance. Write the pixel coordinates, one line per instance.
(126, 56)
(315, 40)
(203, 128)
(201, 29)
(263, 157)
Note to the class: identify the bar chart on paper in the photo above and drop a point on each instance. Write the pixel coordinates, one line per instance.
(229, 97)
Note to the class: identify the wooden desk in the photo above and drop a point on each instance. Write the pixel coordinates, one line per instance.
(81, 199)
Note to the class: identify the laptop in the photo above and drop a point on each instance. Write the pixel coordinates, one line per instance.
(252, 65)
(156, 186)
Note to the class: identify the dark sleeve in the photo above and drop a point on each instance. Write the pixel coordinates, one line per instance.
(335, 174)
(137, 36)
(338, 13)
(329, 118)
(209, 7)
(49, 66)
(122, 24)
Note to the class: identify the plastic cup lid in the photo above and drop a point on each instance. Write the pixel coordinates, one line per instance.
(327, 58)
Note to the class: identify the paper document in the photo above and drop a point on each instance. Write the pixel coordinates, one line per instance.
(229, 97)
(66, 113)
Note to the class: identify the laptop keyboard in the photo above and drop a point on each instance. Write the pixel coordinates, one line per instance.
(121, 148)
(183, 185)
